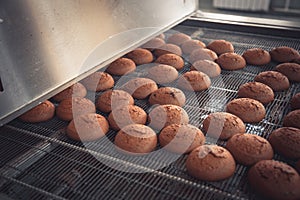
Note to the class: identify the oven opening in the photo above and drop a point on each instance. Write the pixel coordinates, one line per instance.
(1, 87)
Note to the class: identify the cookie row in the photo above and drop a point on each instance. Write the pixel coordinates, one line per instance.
(211, 155)
(243, 146)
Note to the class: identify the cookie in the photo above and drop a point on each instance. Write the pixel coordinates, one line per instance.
(292, 119)
(121, 67)
(167, 95)
(76, 90)
(248, 149)
(208, 67)
(257, 91)
(223, 125)
(249, 110)
(73, 107)
(124, 115)
(181, 138)
(257, 56)
(290, 70)
(285, 141)
(275, 80)
(221, 46)
(295, 101)
(140, 56)
(296, 60)
(161, 36)
(172, 60)
(136, 139)
(112, 99)
(297, 166)
(190, 45)
(274, 180)
(178, 38)
(194, 81)
(87, 127)
(162, 74)
(210, 163)
(153, 44)
(40, 113)
(140, 88)
(165, 115)
(202, 54)
(231, 61)
(168, 48)
(284, 54)
(98, 81)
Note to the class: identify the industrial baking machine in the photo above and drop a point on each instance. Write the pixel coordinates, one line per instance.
(46, 46)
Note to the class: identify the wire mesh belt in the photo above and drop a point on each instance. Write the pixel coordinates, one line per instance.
(38, 161)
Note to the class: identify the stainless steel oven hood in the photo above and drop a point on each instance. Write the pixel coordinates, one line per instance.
(45, 46)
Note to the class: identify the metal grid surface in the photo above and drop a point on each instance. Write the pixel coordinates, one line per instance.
(38, 161)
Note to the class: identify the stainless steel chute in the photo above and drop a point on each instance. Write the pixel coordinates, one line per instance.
(45, 45)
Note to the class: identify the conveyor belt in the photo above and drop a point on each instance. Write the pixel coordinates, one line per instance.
(39, 162)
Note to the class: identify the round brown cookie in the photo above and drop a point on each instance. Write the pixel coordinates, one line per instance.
(168, 48)
(285, 141)
(248, 149)
(153, 44)
(73, 107)
(140, 88)
(249, 110)
(257, 91)
(140, 56)
(112, 99)
(292, 119)
(297, 166)
(210, 163)
(76, 90)
(161, 36)
(274, 180)
(165, 115)
(295, 101)
(223, 125)
(231, 61)
(88, 127)
(181, 138)
(296, 60)
(178, 38)
(221, 46)
(40, 113)
(124, 115)
(162, 74)
(275, 80)
(194, 81)
(190, 45)
(172, 60)
(208, 67)
(167, 95)
(257, 56)
(202, 54)
(98, 81)
(136, 139)
(290, 70)
(121, 66)
(284, 54)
